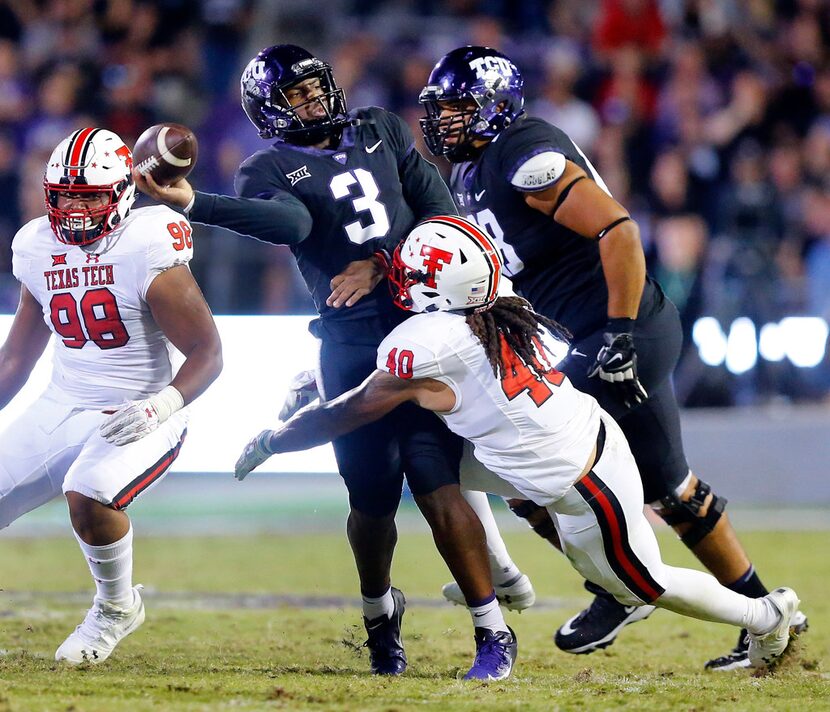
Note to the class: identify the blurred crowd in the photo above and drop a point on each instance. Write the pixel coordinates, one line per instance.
(708, 119)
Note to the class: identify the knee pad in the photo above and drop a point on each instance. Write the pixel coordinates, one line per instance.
(538, 517)
(674, 511)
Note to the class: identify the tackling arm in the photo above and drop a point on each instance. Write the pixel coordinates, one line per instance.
(23, 347)
(315, 425)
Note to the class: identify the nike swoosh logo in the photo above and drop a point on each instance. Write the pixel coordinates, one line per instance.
(613, 358)
(567, 628)
(375, 626)
(577, 352)
(479, 615)
(478, 195)
(372, 149)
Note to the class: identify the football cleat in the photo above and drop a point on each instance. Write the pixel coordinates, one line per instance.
(515, 595)
(738, 657)
(386, 653)
(496, 653)
(598, 625)
(104, 626)
(764, 650)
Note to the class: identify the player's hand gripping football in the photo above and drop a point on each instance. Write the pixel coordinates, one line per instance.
(355, 282)
(617, 363)
(302, 391)
(255, 453)
(179, 194)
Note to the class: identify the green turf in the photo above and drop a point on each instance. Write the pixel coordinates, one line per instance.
(190, 658)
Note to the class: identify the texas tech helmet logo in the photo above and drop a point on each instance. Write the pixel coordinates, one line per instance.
(434, 260)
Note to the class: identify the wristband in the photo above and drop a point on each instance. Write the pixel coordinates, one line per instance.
(620, 325)
(166, 402)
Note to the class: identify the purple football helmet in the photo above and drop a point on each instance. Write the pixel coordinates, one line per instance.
(487, 87)
(263, 86)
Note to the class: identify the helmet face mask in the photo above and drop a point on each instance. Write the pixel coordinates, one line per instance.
(445, 264)
(88, 186)
(486, 87)
(266, 89)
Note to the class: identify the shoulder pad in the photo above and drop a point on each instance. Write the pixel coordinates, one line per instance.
(538, 172)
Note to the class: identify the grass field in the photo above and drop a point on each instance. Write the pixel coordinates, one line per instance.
(223, 632)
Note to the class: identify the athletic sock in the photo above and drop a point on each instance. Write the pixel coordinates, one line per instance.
(111, 567)
(502, 568)
(698, 594)
(381, 606)
(749, 584)
(487, 614)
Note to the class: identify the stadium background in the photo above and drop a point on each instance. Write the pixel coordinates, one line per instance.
(708, 119)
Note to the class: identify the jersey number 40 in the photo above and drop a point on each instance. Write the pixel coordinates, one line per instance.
(517, 377)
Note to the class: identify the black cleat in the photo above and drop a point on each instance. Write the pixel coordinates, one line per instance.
(599, 624)
(386, 653)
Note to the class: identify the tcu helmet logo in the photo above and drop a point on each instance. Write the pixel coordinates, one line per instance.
(483, 65)
(434, 260)
(258, 70)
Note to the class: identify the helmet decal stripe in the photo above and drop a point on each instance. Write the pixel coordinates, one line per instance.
(483, 242)
(77, 150)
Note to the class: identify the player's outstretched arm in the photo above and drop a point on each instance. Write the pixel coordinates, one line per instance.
(23, 347)
(181, 312)
(280, 220)
(315, 425)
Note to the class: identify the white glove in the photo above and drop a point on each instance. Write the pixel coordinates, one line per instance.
(136, 419)
(255, 453)
(303, 390)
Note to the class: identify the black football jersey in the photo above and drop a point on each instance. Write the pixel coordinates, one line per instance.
(556, 269)
(364, 195)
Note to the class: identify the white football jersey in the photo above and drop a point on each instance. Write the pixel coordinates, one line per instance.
(108, 347)
(537, 434)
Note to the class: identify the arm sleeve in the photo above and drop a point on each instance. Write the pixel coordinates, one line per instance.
(264, 210)
(280, 219)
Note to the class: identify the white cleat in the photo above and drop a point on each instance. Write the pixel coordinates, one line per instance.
(103, 628)
(516, 595)
(765, 649)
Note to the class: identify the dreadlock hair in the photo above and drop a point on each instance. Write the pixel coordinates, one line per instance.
(512, 318)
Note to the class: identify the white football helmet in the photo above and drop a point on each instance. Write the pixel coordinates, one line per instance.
(90, 163)
(445, 264)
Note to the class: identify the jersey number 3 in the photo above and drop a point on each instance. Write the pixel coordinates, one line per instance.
(341, 187)
(100, 316)
(517, 377)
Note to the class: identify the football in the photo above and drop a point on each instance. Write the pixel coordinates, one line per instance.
(167, 152)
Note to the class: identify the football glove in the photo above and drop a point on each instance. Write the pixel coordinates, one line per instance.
(617, 363)
(302, 391)
(136, 419)
(255, 453)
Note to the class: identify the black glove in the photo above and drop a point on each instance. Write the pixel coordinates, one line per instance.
(617, 362)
